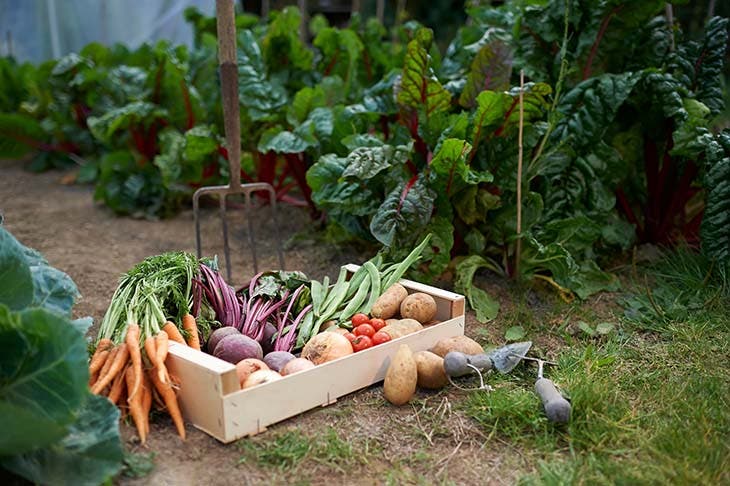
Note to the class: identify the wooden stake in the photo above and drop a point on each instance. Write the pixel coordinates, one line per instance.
(518, 249)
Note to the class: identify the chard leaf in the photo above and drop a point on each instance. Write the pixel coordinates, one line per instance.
(305, 100)
(452, 160)
(700, 65)
(366, 162)
(490, 69)
(261, 97)
(137, 113)
(19, 135)
(419, 88)
(285, 142)
(405, 210)
(341, 52)
(43, 378)
(485, 306)
(715, 228)
(338, 195)
(589, 109)
(89, 454)
(282, 40)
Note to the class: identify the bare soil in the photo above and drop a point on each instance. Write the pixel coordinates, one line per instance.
(429, 441)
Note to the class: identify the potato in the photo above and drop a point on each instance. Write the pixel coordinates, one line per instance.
(430, 368)
(462, 344)
(388, 304)
(402, 327)
(401, 377)
(419, 306)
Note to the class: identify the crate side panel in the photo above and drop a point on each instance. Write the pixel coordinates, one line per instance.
(251, 411)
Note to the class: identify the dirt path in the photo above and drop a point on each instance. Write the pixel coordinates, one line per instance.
(94, 247)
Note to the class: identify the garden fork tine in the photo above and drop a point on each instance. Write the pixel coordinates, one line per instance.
(229, 88)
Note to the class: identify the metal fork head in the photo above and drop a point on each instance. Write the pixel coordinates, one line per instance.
(223, 192)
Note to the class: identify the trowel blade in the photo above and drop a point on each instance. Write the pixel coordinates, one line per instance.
(507, 357)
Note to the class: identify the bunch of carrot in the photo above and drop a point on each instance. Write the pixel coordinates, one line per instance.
(128, 365)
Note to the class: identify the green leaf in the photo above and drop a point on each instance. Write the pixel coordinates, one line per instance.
(490, 70)
(305, 100)
(260, 96)
(589, 279)
(589, 109)
(285, 142)
(406, 209)
(43, 378)
(19, 135)
(89, 454)
(604, 328)
(366, 162)
(52, 289)
(419, 88)
(715, 228)
(16, 292)
(514, 333)
(485, 306)
(282, 40)
(586, 328)
(138, 113)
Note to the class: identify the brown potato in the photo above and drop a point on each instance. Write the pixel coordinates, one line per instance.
(402, 327)
(462, 344)
(388, 304)
(430, 368)
(419, 306)
(401, 377)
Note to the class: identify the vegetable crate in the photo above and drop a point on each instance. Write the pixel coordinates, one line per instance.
(211, 399)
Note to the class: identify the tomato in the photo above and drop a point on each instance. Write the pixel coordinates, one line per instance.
(360, 318)
(364, 330)
(377, 323)
(350, 336)
(380, 337)
(362, 342)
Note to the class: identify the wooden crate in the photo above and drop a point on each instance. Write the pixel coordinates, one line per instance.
(210, 397)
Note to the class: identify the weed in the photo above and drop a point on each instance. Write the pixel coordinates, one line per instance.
(137, 464)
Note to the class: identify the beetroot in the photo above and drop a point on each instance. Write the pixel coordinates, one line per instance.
(267, 343)
(236, 347)
(217, 335)
(277, 359)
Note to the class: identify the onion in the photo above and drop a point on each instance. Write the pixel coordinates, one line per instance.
(246, 367)
(326, 346)
(260, 377)
(296, 365)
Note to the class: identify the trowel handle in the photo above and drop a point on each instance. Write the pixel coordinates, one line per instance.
(460, 364)
(556, 407)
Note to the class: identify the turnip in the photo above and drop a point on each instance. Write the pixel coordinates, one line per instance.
(217, 335)
(237, 347)
(260, 377)
(276, 360)
(296, 365)
(246, 367)
(326, 346)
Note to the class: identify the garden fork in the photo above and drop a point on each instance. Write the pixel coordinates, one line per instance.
(229, 89)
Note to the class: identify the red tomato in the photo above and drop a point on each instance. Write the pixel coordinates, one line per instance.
(380, 338)
(350, 336)
(362, 342)
(360, 318)
(377, 323)
(364, 330)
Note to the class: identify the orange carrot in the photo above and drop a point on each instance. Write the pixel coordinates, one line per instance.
(168, 396)
(97, 359)
(117, 385)
(135, 404)
(150, 348)
(162, 344)
(132, 341)
(120, 360)
(146, 400)
(173, 332)
(189, 324)
(107, 364)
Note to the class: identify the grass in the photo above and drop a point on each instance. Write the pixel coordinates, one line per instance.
(651, 398)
